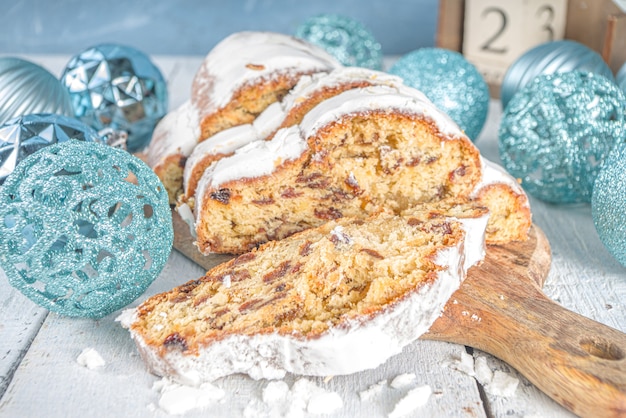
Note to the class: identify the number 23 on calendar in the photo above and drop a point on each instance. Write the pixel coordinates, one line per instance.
(497, 32)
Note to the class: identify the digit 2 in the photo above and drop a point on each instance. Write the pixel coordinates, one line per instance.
(488, 45)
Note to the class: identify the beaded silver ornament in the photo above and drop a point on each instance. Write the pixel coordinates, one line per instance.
(84, 228)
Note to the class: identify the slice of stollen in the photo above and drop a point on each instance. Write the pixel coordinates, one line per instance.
(336, 299)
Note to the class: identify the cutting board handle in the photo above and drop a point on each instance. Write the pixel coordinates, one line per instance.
(500, 309)
(578, 362)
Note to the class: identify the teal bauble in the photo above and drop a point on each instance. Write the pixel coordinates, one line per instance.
(620, 78)
(608, 203)
(550, 58)
(557, 130)
(117, 87)
(27, 88)
(84, 228)
(451, 82)
(347, 39)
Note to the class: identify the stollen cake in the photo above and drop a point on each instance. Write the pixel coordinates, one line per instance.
(353, 154)
(237, 80)
(308, 93)
(331, 300)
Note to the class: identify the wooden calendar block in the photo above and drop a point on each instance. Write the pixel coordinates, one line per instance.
(497, 32)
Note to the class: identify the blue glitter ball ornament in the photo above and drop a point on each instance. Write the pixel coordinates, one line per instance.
(608, 203)
(344, 38)
(27, 88)
(549, 58)
(558, 129)
(22, 136)
(118, 87)
(620, 78)
(84, 228)
(451, 82)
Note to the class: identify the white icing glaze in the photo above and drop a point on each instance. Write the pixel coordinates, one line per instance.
(176, 133)
(244, 57)
(255, 159)
(309, 85)
(355, 346)
(378, 97)
(224, 142)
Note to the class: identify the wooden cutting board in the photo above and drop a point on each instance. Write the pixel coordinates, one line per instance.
(500, 309)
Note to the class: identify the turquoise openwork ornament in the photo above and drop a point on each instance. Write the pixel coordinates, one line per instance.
(549, 58)
(451, 82)
(608, 203)
(118, 87)
(27, 88)
(556, 132)
(22, 136)
(351, 43)
(84, 228)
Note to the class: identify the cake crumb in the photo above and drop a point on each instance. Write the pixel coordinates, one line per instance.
(177, 399)
(402, 380)
(372, 391)
(465, 364)
(328, 379)
(484, 374)
(275, 391)
(90, 359)
(414, 399)
(502, 384)
(324, 403)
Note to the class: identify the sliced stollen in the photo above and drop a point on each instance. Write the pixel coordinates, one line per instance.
(336, 299)
(241, 76)
(308, 93)
(352, 154)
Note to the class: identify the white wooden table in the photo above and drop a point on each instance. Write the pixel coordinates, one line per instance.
(40, 376)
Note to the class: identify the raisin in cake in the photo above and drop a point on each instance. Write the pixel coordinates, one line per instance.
(353, 154)
(308, 93)
(332, 300)
(238, 79)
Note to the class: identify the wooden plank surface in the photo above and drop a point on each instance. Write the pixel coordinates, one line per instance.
(49, 382)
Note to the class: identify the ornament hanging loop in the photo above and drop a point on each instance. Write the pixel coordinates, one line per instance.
(113, 138)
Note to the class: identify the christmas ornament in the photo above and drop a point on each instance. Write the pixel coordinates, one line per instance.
(550, 58)
(22, 136)
(344, 38)
(557, 130)
(119, 87)
(451, 82)
(621, 78)
(27, 88)
(84, 228)
(608, 203)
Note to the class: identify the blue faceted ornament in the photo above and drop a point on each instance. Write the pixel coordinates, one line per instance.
(27, 88)
(451, 82)
(549, 58)
(22, 136)
(608, 203)
(84, 228)
(118, 87)
(351, 43)
(557, 130)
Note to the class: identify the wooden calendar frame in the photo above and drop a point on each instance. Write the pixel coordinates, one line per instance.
(609, 40)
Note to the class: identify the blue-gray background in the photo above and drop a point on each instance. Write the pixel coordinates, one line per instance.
(193, 27)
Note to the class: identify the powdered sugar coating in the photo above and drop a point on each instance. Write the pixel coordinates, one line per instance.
(176, 134)
(360, 344)
(397, 97)
(244, 57)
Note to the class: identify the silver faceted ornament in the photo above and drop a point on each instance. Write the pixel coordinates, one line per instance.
(22, 136)
(118, 87)
(27, 88)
